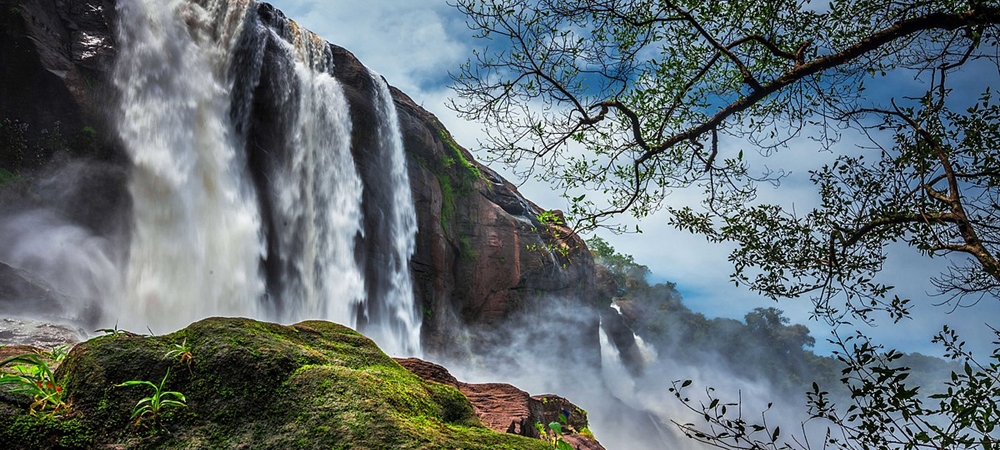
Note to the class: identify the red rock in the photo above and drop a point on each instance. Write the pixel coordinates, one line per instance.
(507, 409)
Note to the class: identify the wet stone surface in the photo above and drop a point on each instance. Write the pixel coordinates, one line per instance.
(28, 332)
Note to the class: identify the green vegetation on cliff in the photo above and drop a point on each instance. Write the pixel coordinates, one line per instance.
(252, 385)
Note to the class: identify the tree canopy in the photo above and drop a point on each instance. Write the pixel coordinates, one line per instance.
(624, 270)
(620, 102)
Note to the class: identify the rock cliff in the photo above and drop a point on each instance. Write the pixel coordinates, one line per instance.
(483, 259)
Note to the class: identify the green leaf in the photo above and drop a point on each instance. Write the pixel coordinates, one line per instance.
(136, 383)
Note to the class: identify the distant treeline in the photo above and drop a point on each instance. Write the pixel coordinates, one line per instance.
(764, 346)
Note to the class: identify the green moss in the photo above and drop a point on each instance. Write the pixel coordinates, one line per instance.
(471, 172)
(465, 248)
(23, 431)
(86, 143)
(455, 407)
(447, 199)
(267, 386)
(456, 174)
(6, 176)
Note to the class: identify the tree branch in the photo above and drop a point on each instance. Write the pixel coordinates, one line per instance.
(935, 21)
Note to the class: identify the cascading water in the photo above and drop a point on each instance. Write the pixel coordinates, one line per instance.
(196, 240)
(616, 375)
(621, 383)
(647, 353)
(248, 201)
(317, 192)
(400, 327)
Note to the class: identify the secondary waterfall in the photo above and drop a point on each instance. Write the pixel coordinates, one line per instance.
(400, 328)
(317, 190)
(248, 201)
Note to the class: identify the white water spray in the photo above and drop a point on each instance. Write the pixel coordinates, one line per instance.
(617, 378)
(196, 241)
(71, 263)
(319, 194)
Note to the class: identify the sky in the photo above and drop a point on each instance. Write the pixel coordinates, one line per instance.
(415, 43)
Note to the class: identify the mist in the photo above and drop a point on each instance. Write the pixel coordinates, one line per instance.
(66, 235)
(760, 368)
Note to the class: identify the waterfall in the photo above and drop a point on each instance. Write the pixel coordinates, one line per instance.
(400, 326)
(196, 240)
(643, 401)
(647, 353)
(248, 201)
(616, 376)
(318, 201)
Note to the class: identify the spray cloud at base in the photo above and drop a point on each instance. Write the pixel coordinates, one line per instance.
(564, 349)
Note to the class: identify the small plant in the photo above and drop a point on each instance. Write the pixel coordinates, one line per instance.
(32, 375)
(111, 331)
(153, 407)
(57, 354)
(182, 352)
(51, 141)
(555, 432)
(118, 332)
(550, 217)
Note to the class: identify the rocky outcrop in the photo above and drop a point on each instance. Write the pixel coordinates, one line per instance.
(615, 324)
(54, 57)
(507, 409)
(483, 258)
(17, 331)
(247, 384)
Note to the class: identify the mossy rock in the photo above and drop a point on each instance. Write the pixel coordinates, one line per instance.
(312, 385)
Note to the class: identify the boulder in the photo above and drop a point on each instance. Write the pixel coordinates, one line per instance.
(250, 384)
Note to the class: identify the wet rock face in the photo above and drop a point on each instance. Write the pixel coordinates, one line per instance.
(18, 331)
(54, 55)
(483, 260)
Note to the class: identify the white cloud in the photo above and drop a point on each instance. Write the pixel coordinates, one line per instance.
(412, 43)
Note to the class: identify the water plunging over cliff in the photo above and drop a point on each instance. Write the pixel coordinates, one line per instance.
(196, 237)
(248, 201)
(399, 326)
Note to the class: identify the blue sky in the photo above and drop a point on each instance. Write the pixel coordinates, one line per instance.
(415, 43)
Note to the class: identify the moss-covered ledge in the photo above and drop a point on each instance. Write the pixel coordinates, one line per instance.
(253, 385)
